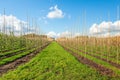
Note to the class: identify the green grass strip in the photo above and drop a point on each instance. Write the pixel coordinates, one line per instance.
(10, 52)
(10, 59)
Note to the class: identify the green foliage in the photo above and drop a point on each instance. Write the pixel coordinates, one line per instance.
(53, 63)
(10, 52)
(98, 61)
(10, 59)
(11, 42)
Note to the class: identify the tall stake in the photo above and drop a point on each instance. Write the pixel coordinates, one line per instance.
(117, 36)
(4, 22)
(109, 43)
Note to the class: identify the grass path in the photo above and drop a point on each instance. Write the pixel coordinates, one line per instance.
(53, 63)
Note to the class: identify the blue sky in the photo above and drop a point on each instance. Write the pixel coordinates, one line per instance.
(72, 12)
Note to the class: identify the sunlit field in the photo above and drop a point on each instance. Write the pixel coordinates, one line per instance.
(60, 40)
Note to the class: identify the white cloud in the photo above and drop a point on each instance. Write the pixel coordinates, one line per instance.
(13, 24)
(66, 34)
(56, 35)
(77, 34)
(55, 13)
(105, 28)
(51, 8)
(52, 34)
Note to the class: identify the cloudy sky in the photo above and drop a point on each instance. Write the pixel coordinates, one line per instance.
(62, 17)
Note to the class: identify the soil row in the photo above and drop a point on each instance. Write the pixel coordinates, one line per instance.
(103, 70)
(15, 53)
(103, 59)
(16, 63)
(98, 52)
